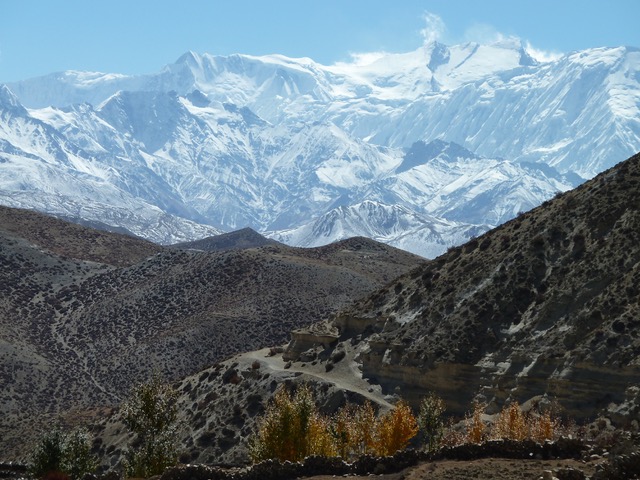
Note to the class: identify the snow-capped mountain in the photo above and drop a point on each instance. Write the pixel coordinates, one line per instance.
(580, 113)
(44, 169)
(420, 150)
(393, 224)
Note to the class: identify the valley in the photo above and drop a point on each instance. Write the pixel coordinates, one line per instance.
(541, 345)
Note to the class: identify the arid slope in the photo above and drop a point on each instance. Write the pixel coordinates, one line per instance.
(76, 333)
(545, 304)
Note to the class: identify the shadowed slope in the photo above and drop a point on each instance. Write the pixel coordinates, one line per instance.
(73, 240)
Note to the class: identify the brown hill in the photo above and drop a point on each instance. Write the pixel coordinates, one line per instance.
(76, 334)
(545, 304)
(239, 239)
(72, 240)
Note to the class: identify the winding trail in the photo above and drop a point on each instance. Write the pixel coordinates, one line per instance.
(345, 375)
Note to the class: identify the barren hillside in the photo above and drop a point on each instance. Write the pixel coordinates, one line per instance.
(76, 334)
(545, 304)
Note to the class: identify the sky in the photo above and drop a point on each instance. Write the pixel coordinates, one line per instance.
(38, 37)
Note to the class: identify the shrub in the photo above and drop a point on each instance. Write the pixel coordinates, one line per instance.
(77, 459)
(510, 424)
(47, 455)
(475, 426)
(513, 424)
(151, 414)
(544, 427)
(430, 420)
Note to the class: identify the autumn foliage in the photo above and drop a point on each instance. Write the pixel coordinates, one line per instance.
(511, 423)
(292, 429)
(395, 429)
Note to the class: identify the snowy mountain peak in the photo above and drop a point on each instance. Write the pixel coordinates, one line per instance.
(190, 58)
(418, 149)
(439, 55)
(8, 100)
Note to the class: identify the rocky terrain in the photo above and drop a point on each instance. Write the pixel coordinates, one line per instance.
(73, 241)
(545, 304)
(541, 309)
(85, 314)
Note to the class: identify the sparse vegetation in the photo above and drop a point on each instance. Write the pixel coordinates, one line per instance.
(531, 298)
(511, 423)
(476, 428)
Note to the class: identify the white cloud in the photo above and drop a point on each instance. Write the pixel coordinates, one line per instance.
(360, 59)
(487, 34)
(434, 28)
(483, 33)
(541, 55)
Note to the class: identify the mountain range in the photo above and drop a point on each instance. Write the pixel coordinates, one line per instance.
(421, 150)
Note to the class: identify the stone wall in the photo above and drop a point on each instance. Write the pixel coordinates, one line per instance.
(365, 465)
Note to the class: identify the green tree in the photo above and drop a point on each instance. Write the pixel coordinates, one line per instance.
(151, 413)
(430, 420)
(47, 455)
(69, 454)
(76, 455)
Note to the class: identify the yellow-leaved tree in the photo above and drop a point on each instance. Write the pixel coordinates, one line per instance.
(292, 428)
(395, 429)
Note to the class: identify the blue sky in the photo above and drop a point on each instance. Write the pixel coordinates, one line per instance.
(138, 36)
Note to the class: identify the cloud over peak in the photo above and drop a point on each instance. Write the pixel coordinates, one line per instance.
(434, 28)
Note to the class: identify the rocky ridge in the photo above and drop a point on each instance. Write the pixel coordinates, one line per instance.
(312, 154)
(540, 309)
(544, 304)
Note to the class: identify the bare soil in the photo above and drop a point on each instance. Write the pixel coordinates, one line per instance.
(481, 469)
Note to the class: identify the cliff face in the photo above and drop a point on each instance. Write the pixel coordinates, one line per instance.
(547, 303)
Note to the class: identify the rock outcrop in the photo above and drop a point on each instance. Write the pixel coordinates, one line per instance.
(321, 336)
